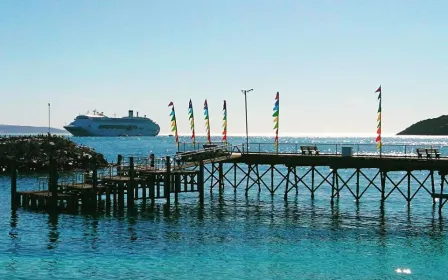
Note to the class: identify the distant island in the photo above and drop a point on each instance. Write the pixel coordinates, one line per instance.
(5, 129)
(435, 127)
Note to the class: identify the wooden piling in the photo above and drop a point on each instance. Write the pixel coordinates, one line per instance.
(93, 199)
(167, 183)
(200, 182)
(131, 183)
(52, 184)
(13, 170)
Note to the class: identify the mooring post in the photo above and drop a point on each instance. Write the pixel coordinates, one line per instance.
(167, 184)
(13, 170)
(130, 191)
(200, 181)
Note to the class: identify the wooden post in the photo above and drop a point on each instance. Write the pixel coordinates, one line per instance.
(151, 160)
(383, 185)
(258, 178)
(221, 177)
(409, 189)
(130, 186)
(176, 187)
(167, 184)
(333, 185)
(152, 183)
(108, 193)
(93, 198)
(248, 178)
(357, 185)
(234, 177)
(312, 181)
(433, 188)
(119, 161)
(441, 193)
(13, 170)
(200, 181)
(212, 177)
(52, 183)
(285, 197)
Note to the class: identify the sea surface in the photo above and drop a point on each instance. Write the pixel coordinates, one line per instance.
(233, 236)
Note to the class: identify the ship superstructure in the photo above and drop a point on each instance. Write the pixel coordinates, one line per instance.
(98, 124)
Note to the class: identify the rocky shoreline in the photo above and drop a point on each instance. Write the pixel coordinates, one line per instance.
(32, 154)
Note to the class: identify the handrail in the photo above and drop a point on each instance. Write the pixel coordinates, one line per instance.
(359, 149)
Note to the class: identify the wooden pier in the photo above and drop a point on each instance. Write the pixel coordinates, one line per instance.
(307, 168)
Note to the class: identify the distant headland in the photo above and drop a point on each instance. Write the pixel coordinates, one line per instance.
(435, 127)
(5, 129)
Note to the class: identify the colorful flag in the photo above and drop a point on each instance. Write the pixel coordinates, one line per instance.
(174, 123)
(191, 118)
(207, 121)
(276, 118)
(224, 120)
(378, 119)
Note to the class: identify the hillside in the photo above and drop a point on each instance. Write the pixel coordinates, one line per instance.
(5, 128)
(436, 126)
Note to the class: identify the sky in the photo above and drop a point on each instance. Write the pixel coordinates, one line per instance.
(326, 58)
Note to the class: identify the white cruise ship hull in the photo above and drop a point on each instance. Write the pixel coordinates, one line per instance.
(100, 125)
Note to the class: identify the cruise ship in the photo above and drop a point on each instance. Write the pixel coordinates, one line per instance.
(97, 124)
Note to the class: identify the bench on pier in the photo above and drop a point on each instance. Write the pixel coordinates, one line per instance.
(209, 146)
(184, 157)
(311, 150)
(428, 152)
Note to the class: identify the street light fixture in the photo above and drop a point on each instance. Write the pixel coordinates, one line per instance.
(245, 102)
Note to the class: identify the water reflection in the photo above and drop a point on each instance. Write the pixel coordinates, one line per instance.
(53, 231)
(13, 222)
(90, 224)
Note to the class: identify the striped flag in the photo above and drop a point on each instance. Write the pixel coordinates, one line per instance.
(207, 121)
(378, 119)
(173, 122)
(191, 118)
(276, 118)
(224, 122)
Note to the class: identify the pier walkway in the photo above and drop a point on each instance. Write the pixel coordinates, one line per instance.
(221, 164)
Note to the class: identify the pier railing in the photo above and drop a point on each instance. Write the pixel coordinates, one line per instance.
(367, 149)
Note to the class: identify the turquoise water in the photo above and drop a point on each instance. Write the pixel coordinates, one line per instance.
(232, 236)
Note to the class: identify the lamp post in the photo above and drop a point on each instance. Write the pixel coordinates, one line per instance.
(49, 120)
(245, 103)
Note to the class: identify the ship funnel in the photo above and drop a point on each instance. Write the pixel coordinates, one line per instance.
(131, 113)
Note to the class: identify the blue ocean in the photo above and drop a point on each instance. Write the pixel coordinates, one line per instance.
(234, 236)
